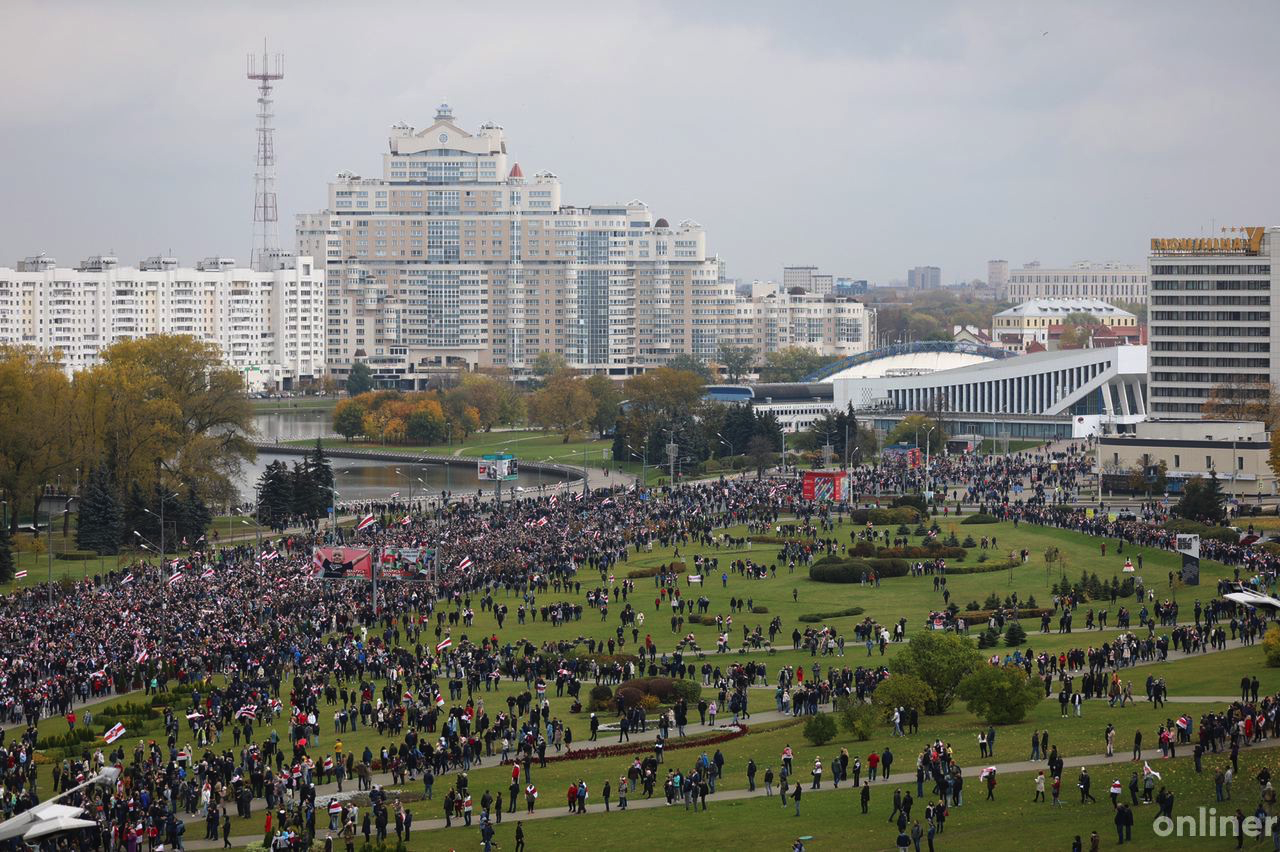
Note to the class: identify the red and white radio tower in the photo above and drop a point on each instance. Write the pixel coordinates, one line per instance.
(266, 217)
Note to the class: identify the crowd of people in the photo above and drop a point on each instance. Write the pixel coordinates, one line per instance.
(247, 643)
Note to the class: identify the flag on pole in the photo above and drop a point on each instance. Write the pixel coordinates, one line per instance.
(207, 573)
(395, 495)
(465, 563)
(128, 578)
(406, 521)
(542, 522)
(191, 717)
(174, 578)
(18, 575)
(444, 645)
(142, 657)
(248, 711)
(439, 699)
(408, 696)
(1147, 770)
(200, 539)
(115, 733)
(365, 523)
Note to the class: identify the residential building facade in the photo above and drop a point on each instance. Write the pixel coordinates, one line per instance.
(1110, 282)
(452, 258)
(998, 278)
(924, 278)
(1210, 318)
(268, 325)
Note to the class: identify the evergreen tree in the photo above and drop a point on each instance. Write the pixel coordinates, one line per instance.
(6, 555)
(300, 502)
(100, 519)
(1202, 501)
(138, 521)
(275, 495)
(321, 473)
(191, 518)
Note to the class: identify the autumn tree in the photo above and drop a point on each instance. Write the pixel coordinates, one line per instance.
(348, 418)
(35, 402)
(690, 363)
(916, 427)
(563, 404)
(606, 395)
(1244, 401)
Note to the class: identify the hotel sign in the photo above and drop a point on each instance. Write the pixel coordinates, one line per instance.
(1249, 243)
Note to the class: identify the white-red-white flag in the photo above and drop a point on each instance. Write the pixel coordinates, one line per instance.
(365, 522)
(115, 733)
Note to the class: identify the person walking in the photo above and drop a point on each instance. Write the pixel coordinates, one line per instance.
(795, 794)
(866, 795)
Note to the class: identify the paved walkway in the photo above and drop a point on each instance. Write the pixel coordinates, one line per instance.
(1122, 761)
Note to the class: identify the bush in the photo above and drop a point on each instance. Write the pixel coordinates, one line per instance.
(892, 517)
(817, 617)
(841, 572)
(981, 518)
(677, 568)
(601, 696)
(984, 567)
(901, 691)
(988, 638)
(820, 729)
(759, 610)
(856, 717)
(969, 542)
(973, 606)
(627, 697)
(915, 501)
(1271, 645)
(689, 690)
(1000, 695)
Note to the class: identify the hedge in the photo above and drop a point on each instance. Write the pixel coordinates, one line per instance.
(981, 518)
(886, 517)
(816, 617)
(854, 570)
(928, 551)
(1223, 534)
(655, 570)
(980, 616)
(984, 567)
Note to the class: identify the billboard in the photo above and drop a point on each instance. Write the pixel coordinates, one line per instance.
(341, 563)
(1189, 547)
(405, 563)
(497, 467)
(823, 485)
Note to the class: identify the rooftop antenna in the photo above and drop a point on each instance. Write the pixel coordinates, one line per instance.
(266, 217)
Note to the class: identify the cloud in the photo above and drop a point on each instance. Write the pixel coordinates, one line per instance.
(863, 137)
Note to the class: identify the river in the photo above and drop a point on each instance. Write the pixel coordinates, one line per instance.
(364, 479)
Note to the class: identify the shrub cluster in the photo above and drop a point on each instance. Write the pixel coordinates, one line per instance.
(819, 617)
(981, 518)
(677, 567)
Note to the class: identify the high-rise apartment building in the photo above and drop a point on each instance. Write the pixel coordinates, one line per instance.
(924, 278)
(1210, 317)
(452, 257)
(1111, 282)
(808, 278)
(998, 278)
(770, 319)
(267, 324)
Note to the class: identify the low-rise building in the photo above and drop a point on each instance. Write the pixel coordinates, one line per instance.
(1032, 320)
(1238, 452)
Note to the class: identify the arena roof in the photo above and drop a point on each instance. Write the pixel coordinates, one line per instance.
(909, 359)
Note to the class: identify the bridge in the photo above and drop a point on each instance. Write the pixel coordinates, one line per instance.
(567, 472)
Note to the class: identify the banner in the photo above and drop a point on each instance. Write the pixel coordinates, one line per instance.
(1189, 547)
(823, 485)
(341, 563)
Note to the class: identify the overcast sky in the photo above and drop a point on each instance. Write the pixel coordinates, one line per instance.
(862, 137)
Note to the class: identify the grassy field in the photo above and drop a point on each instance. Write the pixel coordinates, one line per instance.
(834, 818)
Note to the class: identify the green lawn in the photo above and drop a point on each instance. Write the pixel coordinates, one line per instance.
(834, 819)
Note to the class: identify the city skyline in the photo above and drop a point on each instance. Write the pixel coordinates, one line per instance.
(946, 124)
